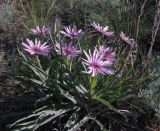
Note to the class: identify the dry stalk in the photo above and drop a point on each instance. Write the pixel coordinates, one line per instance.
(139, 19)
(138, 23)
(155, 29)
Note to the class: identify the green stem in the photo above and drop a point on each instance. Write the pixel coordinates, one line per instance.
(38, 61)
(93, 84)
(70, 66)
(68, 62)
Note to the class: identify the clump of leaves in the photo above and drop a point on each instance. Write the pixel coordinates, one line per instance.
(69, 94)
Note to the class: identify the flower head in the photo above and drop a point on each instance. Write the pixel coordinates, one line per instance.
(36, 48)
(107, 53)
(40, 30)
(71, 32)
(67, 50)
(101, 29)
(96, 65)
(128, 40)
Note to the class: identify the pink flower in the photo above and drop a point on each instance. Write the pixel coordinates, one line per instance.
(107, 53)
(72, 32)
(128, 40)
(40, 30)
(36, 48)
(67, 50)
(96, 65)
(103, 30)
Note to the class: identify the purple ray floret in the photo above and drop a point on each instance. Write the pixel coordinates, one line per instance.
(71, 32)
(104, 30)
(126, 39)
(36, 47)
(107, 53)
(40, 30)
(68, 50)
(96, 65)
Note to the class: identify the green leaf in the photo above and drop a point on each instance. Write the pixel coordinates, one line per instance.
(73, 119)
(79, 124)
(49, 115)
(93, 82)
(106, 103)
(39, 73)
(68, 96)
(45, 98)
(99, 124)
(40, 118)
(81, 89)
(23, 119)
(21, 54)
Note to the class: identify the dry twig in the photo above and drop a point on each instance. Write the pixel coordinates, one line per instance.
(155, 29)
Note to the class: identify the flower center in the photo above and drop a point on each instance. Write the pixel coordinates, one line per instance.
(74, 34)
(95, 65)
(36, 49)
(126, 38)
(67, 51)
